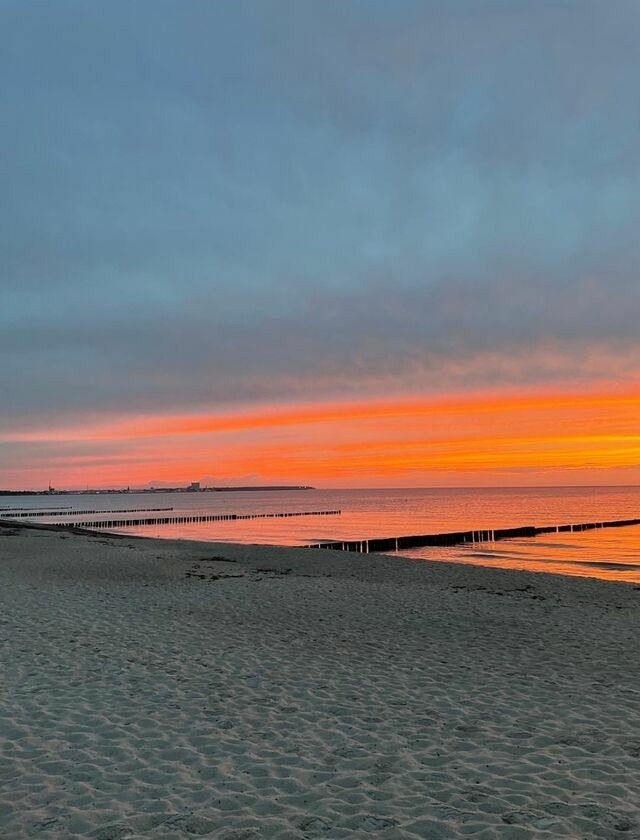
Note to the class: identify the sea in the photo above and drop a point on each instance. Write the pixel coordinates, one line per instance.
(610, 554)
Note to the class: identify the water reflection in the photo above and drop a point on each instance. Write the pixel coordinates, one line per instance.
(604, 554)
(612, 554)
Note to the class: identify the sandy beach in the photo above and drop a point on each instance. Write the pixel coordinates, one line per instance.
(176, 689)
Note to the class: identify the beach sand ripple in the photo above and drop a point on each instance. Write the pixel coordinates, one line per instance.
(172, 690)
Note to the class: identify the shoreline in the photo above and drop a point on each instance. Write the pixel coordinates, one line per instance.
(347, 556)
(172, 688)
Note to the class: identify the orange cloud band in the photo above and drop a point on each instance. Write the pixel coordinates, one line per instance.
(479, 438)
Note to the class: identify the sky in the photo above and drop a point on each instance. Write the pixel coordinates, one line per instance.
(341, 243)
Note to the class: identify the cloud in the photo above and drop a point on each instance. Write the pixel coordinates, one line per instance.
(217, 203)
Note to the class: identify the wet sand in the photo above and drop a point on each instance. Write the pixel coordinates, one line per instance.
(164, 689)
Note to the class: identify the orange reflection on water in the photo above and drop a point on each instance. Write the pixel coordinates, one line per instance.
(611, 554)
(606, 554)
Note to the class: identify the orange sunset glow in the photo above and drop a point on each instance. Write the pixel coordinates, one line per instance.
(488, 438)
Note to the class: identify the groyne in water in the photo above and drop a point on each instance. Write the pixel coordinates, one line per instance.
(15, 509)
(183, 520)
(460, 537)
(30, 514)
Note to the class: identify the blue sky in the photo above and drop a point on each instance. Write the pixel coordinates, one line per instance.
(213, 203)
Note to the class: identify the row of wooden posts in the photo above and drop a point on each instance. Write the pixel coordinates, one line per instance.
(182, 520)
(15, 509)
(31, 514)
(460, 537)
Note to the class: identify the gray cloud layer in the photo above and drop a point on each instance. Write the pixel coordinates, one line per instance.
(211, 202)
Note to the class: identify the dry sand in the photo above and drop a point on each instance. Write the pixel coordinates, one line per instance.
(151, 689)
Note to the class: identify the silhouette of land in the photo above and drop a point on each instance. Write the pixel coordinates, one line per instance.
(193, 488)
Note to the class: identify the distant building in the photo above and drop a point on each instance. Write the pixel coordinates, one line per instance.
(194, 486)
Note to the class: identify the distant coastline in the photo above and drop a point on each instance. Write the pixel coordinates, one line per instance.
(140, 490)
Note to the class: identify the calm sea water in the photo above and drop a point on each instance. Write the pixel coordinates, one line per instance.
(613, 554)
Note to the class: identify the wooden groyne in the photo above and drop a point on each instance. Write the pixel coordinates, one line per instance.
(15, 509)
(450, 538)
(30, 514)
(183, 520)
